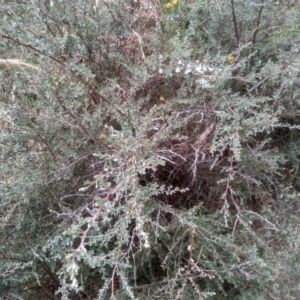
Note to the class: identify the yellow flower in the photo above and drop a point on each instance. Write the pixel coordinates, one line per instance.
(174, 2)
(168, 5)
(230, 58)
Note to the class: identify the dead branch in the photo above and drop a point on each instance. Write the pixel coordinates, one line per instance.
(202, 138)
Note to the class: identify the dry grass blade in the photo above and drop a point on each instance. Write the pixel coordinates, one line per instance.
(18, 63)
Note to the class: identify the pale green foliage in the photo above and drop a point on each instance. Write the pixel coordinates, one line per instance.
(137, 162)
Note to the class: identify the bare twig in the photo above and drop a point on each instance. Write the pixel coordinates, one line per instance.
(227, 193)
(235, 25)
(258, 22)
(140, 43)
(93, 220)
(256, 30)
(113, 274)
(194, 166)
(261, 82)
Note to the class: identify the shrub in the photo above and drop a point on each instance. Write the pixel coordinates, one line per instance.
(149, 152)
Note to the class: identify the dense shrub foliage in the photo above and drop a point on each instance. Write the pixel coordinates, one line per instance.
(149, 149)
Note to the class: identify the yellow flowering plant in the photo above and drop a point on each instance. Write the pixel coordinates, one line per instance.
(170, 4)
(230, 58)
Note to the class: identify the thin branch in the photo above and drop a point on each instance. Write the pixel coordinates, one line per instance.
(79, 123)
(91, 88)
(93, 220)
(46, 143)
(258, 22)
(140, 43)
(261, 82)
(113, 274)
(71, 196)
(235, 25)
(256, 31)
